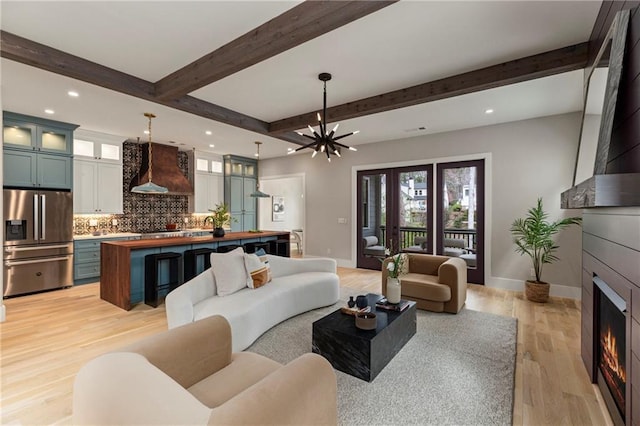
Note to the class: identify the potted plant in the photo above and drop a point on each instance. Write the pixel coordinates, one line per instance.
(533, 236)
(219, 217)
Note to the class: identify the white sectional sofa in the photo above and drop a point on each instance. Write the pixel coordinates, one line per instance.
(297, 286)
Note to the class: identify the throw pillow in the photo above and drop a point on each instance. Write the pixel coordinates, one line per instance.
(229, 271)
(263, 258)
(257, 270)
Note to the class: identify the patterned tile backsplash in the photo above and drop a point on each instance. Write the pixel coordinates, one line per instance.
(142, 213)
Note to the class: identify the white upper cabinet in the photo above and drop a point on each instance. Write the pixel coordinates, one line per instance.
(98, 146)
(97, 187)
(97, 173)
(208, 164)
(208, 182)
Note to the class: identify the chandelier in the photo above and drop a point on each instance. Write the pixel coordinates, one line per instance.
(325, 141)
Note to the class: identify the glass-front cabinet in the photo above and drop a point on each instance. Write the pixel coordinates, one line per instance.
(37, 134)
(36, 152)
(18, 135)
(97, 146)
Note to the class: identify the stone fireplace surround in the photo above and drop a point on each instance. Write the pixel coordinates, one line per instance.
(611, 250)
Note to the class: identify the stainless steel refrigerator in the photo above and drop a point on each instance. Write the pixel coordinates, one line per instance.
(38, 240)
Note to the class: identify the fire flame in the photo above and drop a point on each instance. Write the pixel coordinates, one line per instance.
(610, 355)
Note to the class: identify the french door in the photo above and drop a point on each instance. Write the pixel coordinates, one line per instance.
(396, 211)
(460, 214)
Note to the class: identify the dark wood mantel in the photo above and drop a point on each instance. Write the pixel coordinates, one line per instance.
(613, 190)
(116, 259)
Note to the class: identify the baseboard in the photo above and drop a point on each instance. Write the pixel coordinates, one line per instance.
(3, 316)
(556, 290)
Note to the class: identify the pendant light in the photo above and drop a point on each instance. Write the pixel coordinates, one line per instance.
(150, 187)
(257, 193)
(325, 141)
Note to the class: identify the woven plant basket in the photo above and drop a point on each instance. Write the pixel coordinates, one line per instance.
(536, 292)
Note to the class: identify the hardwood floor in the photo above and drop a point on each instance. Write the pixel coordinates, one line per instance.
(47, 338)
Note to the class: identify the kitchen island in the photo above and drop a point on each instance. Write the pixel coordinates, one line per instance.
(122, 262)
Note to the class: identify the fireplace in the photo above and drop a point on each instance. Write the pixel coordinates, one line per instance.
(610, 348)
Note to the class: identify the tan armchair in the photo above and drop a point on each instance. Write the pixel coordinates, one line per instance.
(435, 283)
(188, 375)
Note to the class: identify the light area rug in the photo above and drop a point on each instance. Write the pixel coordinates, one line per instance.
(456, 369)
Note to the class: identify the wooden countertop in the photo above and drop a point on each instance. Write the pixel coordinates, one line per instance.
(177, 241)
(116, 268)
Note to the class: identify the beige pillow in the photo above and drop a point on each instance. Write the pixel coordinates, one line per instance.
(229, 271)
(257, 270)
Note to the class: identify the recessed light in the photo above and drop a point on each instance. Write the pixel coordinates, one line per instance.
(73, 93)
(49, 111)
(488, 111)
(211, 145)
(146, 132)
(208, 132)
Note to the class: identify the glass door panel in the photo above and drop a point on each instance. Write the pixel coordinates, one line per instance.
(55, 141)
(372, 218)
(19, 135)
(413, 207)
(460, 221)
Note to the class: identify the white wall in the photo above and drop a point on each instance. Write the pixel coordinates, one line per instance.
(292, 189)
(588, 147)
(530, 159)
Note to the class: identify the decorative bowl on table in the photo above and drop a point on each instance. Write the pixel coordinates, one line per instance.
(366, 321)
(171, 226)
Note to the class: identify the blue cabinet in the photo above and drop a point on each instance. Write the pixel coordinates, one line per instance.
(240, 180)
(26, 169)
(86, 259)
(37, 152)
(19, 168)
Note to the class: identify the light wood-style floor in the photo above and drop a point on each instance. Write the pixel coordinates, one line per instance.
(47, 338)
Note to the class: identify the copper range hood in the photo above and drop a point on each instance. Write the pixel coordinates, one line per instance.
(165, 169)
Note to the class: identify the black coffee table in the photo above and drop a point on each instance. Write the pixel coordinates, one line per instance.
(363, 353)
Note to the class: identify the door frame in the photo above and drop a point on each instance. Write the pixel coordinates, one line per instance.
(372, 262)
(486, 156)
(476, 274)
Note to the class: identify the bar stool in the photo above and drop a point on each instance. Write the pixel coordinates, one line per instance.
(154, 289)
(279, 248)
(254, 247)
(227, 248)
(195, 258)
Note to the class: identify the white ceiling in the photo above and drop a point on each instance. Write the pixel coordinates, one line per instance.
(405, 44)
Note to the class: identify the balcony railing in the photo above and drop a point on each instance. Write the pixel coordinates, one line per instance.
(408, 235)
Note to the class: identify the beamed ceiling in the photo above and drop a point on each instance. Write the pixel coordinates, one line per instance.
(248, 70)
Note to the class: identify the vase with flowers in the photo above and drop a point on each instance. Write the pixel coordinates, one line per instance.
(395, 266)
